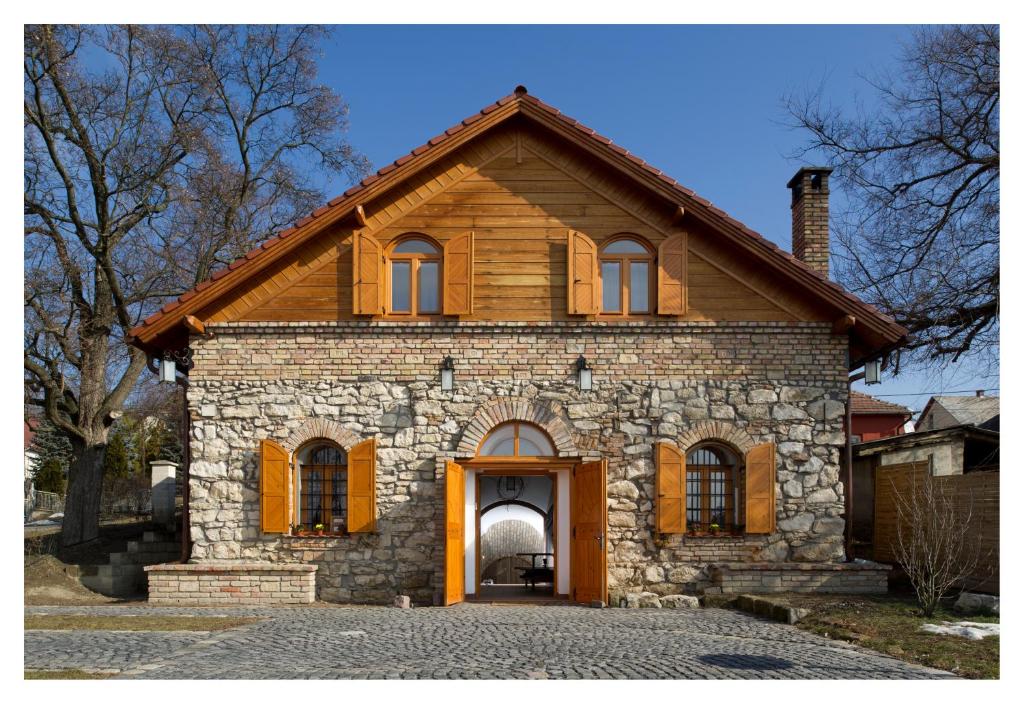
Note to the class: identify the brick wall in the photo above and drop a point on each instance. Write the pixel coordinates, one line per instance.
(249, 584)
(762, 578)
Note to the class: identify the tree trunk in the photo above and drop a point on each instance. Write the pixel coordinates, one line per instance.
(85, 486)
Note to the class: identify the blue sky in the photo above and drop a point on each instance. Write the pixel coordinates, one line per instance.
(702, 103)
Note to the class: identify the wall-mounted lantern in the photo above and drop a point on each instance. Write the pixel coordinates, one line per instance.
(448, 374)
(167, 370)
(583, 372)
(873, 372)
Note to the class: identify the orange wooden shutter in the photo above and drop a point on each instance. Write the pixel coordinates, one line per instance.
(273, 487)
(362, 487)
(761, 489)
(582, 275)
(670, 481)
(672, 275)
(458, 275)
(367, 275)
(455, 533)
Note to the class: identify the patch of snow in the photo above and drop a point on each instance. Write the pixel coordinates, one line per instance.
(965, 629)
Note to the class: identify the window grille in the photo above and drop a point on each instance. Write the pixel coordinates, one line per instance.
(711, 490)
(324, 484)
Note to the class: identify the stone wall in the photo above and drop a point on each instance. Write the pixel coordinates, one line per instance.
(250, 584)
(744, 383)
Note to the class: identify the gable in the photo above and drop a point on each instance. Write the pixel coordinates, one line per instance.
(520, 192)
(291, 256)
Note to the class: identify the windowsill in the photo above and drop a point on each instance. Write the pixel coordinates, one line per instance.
(715, 535)
(314, 535)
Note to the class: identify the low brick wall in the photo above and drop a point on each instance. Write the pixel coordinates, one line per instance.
(767, 578)
(231, 584)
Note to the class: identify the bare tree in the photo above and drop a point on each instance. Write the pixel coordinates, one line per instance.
(920, 234)
(933, 538)
(152, 155)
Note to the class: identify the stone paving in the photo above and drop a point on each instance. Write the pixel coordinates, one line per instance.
(463, 642)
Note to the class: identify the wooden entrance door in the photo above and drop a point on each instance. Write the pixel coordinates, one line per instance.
(455, 534)
(588, 529)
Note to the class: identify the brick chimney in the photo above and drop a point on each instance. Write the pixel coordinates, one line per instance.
(810, 216)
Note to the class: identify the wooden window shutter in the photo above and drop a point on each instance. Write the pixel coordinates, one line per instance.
(582, 275)
(362, 487)
(273, 487)
(672, 275)
(670, 483)
(761, 489)
(458, 275)
(367, 275)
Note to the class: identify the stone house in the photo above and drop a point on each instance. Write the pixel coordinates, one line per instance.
(519, 300)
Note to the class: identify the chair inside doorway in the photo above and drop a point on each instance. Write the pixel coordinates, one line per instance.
(517, 537)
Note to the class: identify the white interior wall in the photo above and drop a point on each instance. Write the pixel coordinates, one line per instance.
(470, 565)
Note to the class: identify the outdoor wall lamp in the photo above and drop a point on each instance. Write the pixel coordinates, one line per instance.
(167, 370)
(583, 372)
(873, 372)
(448, 374)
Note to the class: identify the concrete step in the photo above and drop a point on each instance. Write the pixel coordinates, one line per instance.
(116, 585)
(163, 546)
(144, 558)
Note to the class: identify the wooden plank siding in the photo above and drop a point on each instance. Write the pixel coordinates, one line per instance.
(978, 491)
(520, 203)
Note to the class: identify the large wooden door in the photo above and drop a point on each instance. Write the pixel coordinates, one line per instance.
(455, 534)
(588, 531)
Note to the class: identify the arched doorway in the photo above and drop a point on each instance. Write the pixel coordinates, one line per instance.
(513, 537)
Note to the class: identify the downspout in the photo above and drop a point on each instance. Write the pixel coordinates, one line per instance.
(848, 494)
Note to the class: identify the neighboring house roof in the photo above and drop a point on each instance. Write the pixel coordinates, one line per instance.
(863, 404)
(925, 437)
(947, 411)
(879, 331)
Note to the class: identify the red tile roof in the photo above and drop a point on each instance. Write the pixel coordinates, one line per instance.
(862, 404)
(348, 200)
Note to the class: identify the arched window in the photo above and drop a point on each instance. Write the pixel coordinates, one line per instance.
(627, 276)
(323, 487)
(711, 478)
(515, 439)
(414, 277)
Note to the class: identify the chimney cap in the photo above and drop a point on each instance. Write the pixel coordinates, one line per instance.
(798, 176)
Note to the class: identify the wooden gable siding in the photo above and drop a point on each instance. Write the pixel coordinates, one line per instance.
(520, 191)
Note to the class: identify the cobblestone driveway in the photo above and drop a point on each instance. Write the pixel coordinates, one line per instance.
(465, 641)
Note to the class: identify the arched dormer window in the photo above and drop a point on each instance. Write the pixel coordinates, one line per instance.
(627, 276)
(413, 276)
(516, 439)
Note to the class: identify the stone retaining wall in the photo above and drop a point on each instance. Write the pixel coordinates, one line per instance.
(235, 584)
(766, 578)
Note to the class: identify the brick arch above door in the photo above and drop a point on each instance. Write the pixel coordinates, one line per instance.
(502, 410)
(716, 430)
(322, 429)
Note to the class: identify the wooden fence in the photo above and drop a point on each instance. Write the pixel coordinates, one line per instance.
(976, 491)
